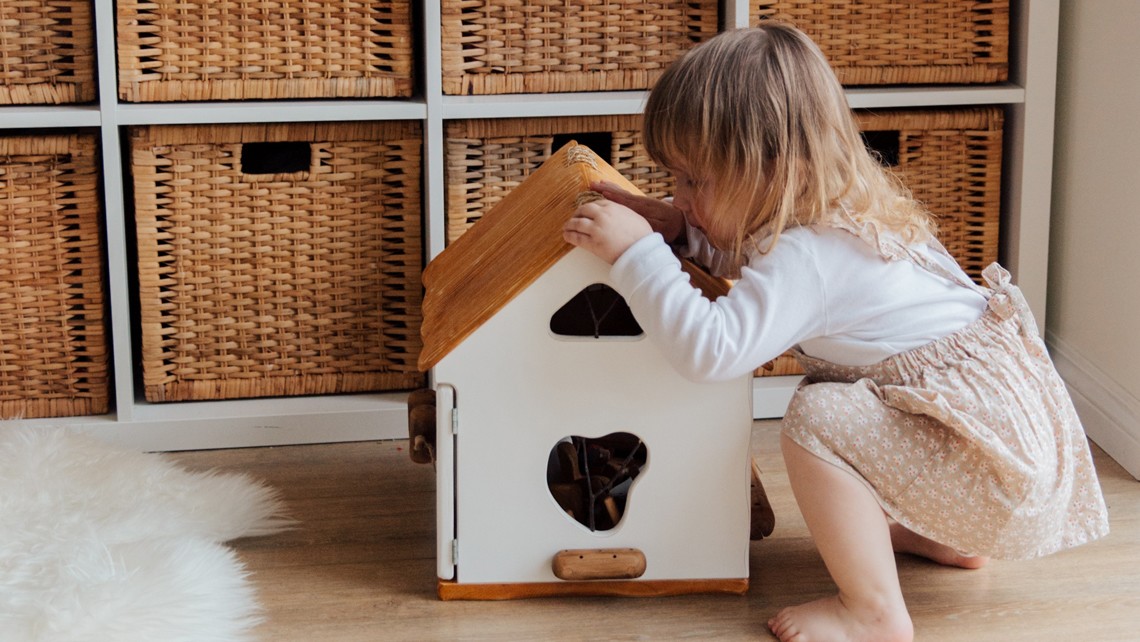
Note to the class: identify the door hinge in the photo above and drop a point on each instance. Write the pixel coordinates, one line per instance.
(455, 552)
(455, 421)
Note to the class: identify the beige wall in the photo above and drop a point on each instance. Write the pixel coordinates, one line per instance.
(1093, 318)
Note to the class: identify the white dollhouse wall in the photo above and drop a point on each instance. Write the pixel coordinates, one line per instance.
(518, 390)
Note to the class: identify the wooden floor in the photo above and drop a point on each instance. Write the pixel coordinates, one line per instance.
(361, 567)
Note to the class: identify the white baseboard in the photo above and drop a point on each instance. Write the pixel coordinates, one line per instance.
(1110, 414)
(770, 395)
(246, 423)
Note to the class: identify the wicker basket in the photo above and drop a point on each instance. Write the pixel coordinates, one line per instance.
(47, 52)
(186, 50)
(53, 357)
(278, 259)
(951, 160)
(891, 42)
(487, 158)
(545, 46)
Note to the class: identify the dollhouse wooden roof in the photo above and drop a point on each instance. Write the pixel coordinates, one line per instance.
(511, 246)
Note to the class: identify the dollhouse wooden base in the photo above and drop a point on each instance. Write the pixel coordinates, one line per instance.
(449, 590)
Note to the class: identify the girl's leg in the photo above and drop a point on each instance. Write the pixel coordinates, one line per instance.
(854, 539)
(905, 540)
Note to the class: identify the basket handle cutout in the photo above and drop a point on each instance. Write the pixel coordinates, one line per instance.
(601, 143)
(286, 157)
(883, 145)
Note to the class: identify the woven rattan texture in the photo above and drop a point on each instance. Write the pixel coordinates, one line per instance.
(185, 50)
(951, 161)
(53, 356)
(889, 42)
(545, 46)
(47, 52)
(305, 282)
(487, 158)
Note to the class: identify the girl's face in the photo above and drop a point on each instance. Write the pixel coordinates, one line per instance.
(694, 198)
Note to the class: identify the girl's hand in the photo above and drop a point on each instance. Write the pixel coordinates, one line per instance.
(662, 216)
(606, 229)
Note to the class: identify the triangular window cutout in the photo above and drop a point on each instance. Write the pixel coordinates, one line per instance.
(597, 311)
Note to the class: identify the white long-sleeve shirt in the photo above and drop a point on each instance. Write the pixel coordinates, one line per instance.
(820, 288)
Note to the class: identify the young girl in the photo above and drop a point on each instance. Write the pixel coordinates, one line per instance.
(931, 420)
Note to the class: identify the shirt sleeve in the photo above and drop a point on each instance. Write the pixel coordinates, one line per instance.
(778, 301)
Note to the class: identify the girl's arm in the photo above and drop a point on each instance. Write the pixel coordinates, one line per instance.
(770, 309)
(670, 223)
(605, 228)
(666, 220)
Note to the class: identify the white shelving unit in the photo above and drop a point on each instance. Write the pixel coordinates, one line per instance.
(1029, 98)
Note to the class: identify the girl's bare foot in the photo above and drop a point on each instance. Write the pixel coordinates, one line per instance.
(905, 540)
(831, 620)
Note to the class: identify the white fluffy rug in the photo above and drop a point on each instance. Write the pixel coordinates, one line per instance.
(100, 544)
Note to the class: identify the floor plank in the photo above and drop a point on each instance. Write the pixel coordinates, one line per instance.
(361, 567)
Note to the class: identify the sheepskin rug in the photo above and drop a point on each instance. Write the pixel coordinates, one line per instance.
(102, 544)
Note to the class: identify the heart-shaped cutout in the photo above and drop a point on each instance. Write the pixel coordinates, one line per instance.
(591, 477)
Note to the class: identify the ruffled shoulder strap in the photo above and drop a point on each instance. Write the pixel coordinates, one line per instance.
(892, 248)
(1004, 298)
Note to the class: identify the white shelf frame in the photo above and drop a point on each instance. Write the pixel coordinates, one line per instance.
(1028, 97)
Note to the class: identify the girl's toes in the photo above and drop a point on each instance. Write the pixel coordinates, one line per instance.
(781, 625)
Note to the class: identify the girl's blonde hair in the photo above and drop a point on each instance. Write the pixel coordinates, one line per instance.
(759, 114)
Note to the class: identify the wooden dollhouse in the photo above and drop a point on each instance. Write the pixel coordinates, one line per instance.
(571, 458)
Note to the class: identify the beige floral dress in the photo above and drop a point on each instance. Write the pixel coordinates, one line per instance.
(971, 440)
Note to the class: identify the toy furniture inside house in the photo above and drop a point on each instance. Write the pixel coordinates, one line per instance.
(571, 458)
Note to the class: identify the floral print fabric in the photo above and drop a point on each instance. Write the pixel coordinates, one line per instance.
(971, 440)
